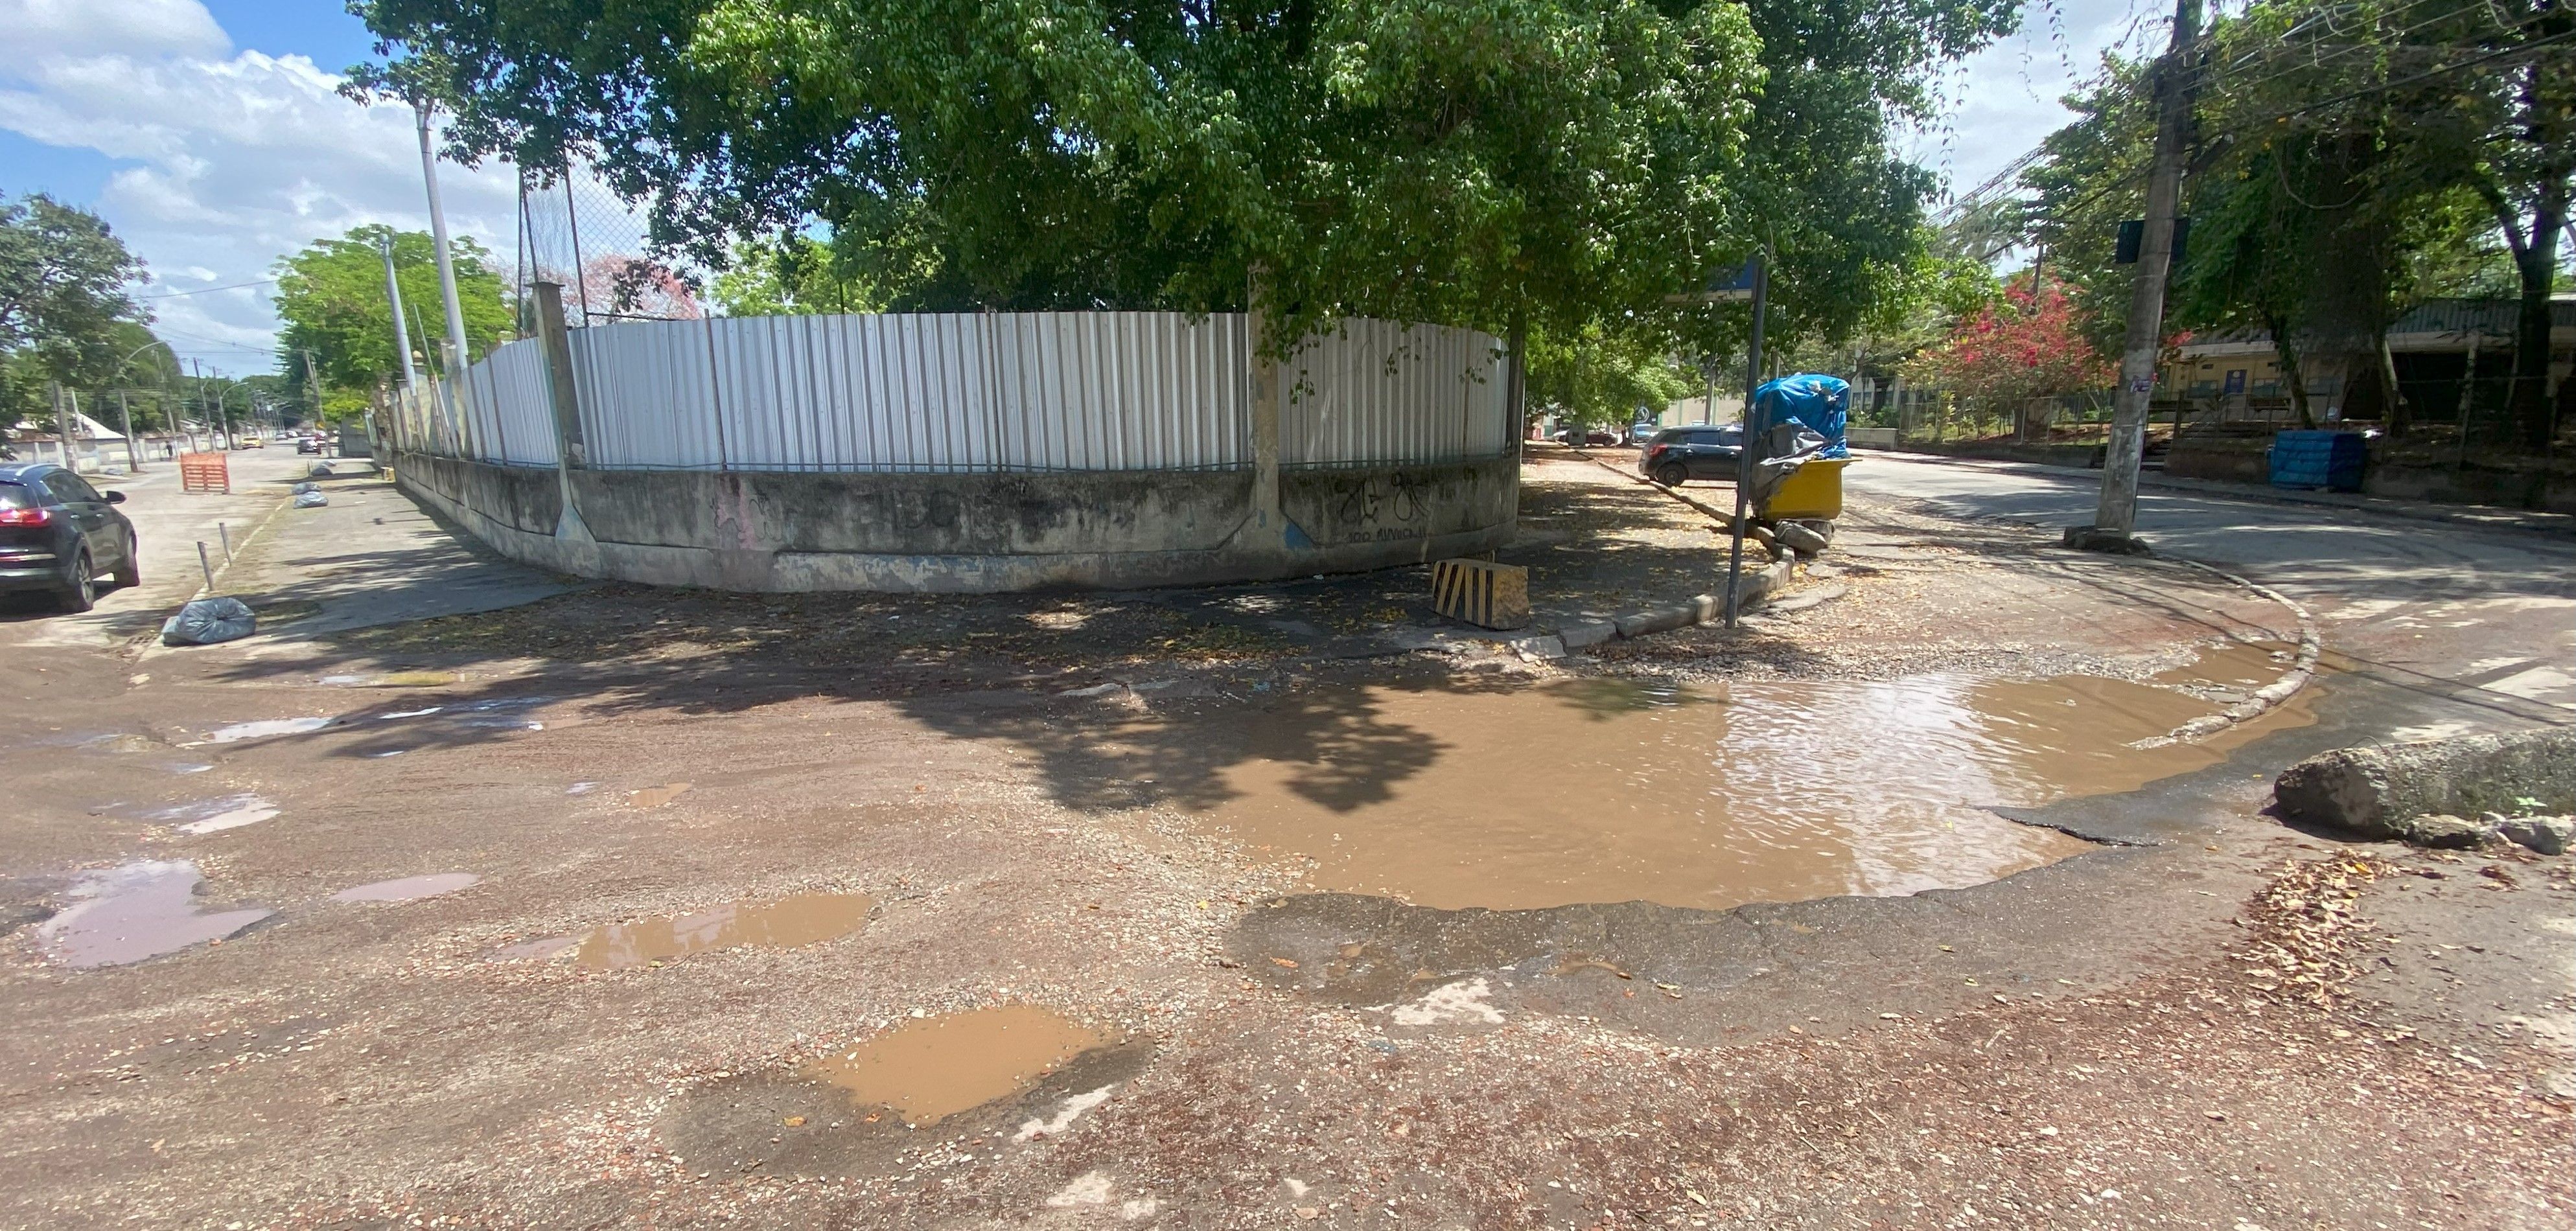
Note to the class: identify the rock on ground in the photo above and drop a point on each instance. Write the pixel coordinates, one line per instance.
(2375, 792)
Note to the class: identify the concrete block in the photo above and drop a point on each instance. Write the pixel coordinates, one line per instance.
(1587, 634)
(1647, 623)
(1481, 592)
(2375, 792)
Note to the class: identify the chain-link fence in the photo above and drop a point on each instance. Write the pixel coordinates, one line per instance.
(577, 234)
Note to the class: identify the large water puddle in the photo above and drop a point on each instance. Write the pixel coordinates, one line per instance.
(1605, 791)
(136, 911)
(787, 923)
(409, 888)
(927, 1070)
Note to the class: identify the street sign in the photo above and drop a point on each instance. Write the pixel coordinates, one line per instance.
(1726, 286)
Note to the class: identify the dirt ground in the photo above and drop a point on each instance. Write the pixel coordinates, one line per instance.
(2205, 1020)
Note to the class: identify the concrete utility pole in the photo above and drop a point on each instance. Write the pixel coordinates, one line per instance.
(125, 424)
(2117, 515)
(402, 331)
(457, 356)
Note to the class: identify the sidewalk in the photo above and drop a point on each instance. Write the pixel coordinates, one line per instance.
(2482, 516)
(369, 557)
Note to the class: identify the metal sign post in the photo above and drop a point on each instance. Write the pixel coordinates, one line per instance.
(1760, 294)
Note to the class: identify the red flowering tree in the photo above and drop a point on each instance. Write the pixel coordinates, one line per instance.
(2028, 344)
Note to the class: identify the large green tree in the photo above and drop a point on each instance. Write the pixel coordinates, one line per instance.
(1567, 164)
(332, 298)
(64, 304)
(2350, 160)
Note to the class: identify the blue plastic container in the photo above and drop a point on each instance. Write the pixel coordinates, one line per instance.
(2314, 459)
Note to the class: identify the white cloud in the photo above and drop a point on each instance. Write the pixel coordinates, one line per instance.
(89, 27)
(2004, 100)
(231, 159)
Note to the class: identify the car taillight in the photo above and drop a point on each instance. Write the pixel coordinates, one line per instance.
(1655, 450)
(37, 516)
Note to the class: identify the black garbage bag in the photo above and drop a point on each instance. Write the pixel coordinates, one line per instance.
(311, 500)
(208, 621)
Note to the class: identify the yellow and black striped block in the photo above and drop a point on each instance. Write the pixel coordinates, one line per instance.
(1481, 592)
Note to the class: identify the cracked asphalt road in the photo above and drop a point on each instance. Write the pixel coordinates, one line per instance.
(2084, 1044)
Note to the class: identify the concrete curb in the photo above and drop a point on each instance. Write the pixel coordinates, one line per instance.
(2264, 700)
(2270, 696)
(1759, 584)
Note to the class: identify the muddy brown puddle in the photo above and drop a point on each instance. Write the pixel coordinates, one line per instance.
(786, 923)
(1608, 791)
(927, 1070)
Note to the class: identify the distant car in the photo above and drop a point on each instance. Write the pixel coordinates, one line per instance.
(308, 444)
(1677, 455)
(1591, 436)
(60, 535)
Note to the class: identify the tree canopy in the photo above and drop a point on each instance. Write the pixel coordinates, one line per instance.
(65, 312)
(1563, 163)
(331, 297)
(2350, 160)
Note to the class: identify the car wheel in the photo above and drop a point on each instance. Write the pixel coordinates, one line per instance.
(82, 593)
(130, 573)
(1672, 474)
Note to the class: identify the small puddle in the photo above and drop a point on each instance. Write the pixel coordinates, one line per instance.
(789, 922)
(655, 796)
(927, 1070)
(137, 911)
(1606, 791)
(409, 888)
(216, 815)
(264, 729)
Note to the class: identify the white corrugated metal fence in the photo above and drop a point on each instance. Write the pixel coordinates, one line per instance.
(959, 392)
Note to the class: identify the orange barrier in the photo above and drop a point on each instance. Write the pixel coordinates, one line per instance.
(205, 472)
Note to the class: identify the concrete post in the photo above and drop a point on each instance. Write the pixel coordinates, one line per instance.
(1268, 520)
(571, 450)
(556, 338)
(2116, 515)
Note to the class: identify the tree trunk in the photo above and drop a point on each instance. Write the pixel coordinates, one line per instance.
(2289, 357)
(2399, 416)
(2528, 409)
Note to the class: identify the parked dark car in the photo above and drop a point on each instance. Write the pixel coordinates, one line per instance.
(60, 535)
(1597, 436)
(1677, 455)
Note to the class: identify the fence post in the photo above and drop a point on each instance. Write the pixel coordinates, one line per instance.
(715, 392)
(565, 394)
(557, 341)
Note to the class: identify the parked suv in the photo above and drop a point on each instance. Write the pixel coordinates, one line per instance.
(60, 535)
(1679, 454)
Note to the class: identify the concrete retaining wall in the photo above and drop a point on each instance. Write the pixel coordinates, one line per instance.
(780, 531)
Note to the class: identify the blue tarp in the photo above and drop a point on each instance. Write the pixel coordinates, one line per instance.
(1820, 403)
(2314, 459)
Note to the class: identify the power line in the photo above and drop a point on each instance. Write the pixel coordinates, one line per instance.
(209, 290)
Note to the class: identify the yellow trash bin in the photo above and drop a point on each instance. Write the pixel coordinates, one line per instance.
(1812, 490)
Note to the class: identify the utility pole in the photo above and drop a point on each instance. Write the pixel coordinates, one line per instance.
(313, 386)
(125, 424)
(457, 356)
(402, 332)
(2116, 517)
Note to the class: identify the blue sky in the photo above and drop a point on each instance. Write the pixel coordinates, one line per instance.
(206, 132)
